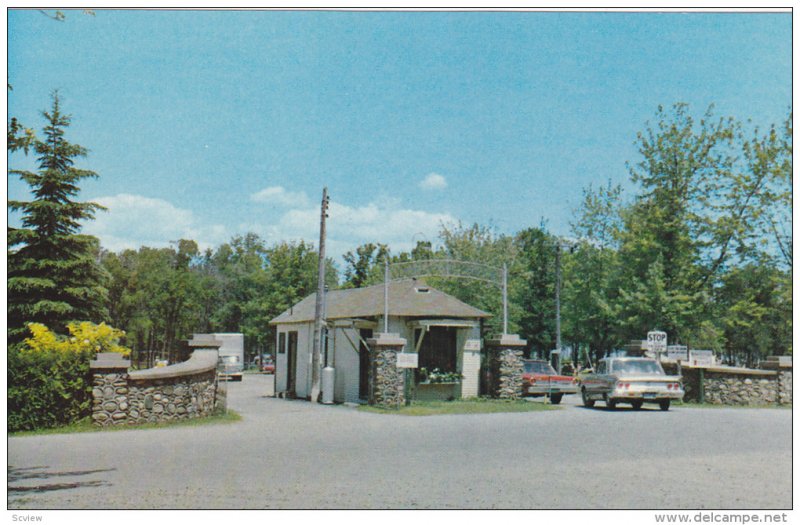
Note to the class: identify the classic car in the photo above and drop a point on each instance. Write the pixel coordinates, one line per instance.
(633, 380)
(268, 367)
(539, 379)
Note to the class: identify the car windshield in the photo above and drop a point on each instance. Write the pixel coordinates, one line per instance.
(643, 366)
(538, 367)
(230, 359)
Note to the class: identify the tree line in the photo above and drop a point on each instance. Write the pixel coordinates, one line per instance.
(701, 248)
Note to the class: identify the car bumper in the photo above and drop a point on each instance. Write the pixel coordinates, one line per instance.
(647, 396)
(554, 389)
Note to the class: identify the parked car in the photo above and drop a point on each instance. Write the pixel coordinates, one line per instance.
(268, 367)
(634, 380)
(540, 379)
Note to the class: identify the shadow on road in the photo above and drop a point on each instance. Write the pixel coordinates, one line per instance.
(20, 474)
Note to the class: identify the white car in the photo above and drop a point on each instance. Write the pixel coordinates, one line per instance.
(633, 380)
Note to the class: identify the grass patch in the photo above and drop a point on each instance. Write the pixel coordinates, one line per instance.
(462, 406)
(86, 425)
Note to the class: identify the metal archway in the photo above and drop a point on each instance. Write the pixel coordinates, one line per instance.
(451, 268)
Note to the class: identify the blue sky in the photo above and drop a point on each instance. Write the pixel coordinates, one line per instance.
(208, 124)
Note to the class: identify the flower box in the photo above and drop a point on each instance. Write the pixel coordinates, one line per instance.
(437, 391)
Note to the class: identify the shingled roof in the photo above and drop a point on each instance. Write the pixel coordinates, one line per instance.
(407, 298)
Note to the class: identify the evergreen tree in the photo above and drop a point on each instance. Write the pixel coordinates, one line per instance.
(53, 276)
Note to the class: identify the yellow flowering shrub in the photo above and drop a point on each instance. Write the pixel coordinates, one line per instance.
(84, 336)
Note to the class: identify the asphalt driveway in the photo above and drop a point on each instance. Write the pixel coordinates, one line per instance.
(294, 454)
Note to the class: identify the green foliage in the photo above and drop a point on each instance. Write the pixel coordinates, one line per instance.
(155, 297)
(478, 244)
(363, 267)
(532, 288)
(698, 252)
(49, 382)
(53, 278)
(162, 296)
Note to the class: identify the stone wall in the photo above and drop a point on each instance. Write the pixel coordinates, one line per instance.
(387, 382)
(505, 367)
(736, 386)
(183, 391)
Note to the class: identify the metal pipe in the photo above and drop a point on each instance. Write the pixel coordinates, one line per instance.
(385, 296)
(505, 299)
(558, 296)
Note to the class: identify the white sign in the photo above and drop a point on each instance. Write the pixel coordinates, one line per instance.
(657, 341)
(407, 360)
(701, 358)
(678, 352)
(473, 345)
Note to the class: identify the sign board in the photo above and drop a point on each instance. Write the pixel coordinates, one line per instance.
(407, 360)
(473, 345)
(657, 341)
(678, 352)
(701, 358)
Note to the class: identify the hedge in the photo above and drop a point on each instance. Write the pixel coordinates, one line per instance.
(49, 382)
(48, 389)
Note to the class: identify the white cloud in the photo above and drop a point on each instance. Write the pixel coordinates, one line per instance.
(279, 195)
(349, 226)
(133, 221)
(434, 181)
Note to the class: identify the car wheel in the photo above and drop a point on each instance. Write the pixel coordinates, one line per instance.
(556, 398)
(637, 405)
(588, 403)
(611, 404)
(664, 405)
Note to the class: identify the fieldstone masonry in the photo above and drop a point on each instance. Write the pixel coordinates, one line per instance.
(183, 391)
(737, 386)
(109, 389)
(505, 366)
(386, 381)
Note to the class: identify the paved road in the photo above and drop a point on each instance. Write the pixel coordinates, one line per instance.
(292, 454)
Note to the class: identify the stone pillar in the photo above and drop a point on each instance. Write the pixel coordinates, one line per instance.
(783, 366)
(386, 381)
(109, 389)
(505, 366)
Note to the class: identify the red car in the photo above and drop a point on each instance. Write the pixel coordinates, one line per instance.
(268, 367)
(539, 379)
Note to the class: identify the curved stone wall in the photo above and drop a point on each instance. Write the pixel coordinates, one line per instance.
(182, 391)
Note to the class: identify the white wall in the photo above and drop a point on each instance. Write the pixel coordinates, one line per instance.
(346, 364)
(280, 360)
(305, 340)
(470, 362)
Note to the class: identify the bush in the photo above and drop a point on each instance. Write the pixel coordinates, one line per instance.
(49, 382)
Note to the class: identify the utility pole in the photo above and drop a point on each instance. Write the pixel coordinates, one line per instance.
(315, 355)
